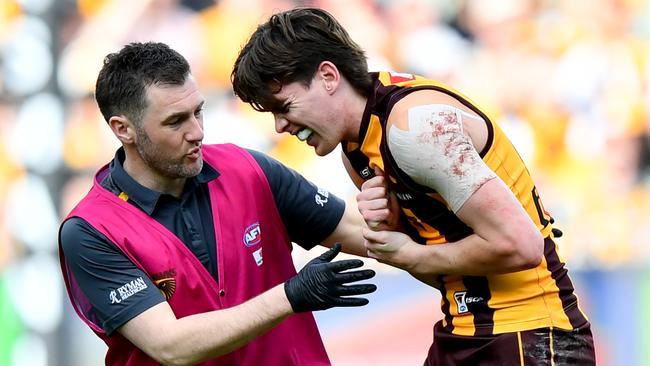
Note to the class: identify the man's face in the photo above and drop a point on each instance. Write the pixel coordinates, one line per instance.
(170, 133)
(310, 114)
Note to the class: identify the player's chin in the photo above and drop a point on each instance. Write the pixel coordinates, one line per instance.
(323, 149)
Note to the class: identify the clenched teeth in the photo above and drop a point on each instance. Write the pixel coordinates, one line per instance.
(304, 134)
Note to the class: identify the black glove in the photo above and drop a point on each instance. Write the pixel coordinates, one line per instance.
(320, 284)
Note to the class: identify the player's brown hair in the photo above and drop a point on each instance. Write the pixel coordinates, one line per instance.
(289, 47)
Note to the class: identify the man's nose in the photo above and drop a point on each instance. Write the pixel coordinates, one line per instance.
(281, 123)
(196, 130)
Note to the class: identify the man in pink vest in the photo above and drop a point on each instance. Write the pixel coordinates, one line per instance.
(180, 253)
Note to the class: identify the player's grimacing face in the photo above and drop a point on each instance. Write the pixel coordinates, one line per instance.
(170, 134)
(308, 114)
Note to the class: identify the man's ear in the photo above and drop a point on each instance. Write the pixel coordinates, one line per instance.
(123, 129)
(329, 75)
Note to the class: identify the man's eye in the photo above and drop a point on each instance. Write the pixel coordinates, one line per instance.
(198, 112)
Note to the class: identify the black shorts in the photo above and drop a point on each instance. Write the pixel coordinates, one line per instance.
(534, 347)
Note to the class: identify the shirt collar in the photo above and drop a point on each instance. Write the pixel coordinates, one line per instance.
(147, 198)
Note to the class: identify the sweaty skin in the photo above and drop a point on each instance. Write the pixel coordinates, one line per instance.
(435, 152)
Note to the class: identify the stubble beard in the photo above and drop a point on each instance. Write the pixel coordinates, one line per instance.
(155, 159)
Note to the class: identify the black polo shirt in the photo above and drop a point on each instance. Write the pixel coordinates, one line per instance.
(99, 266)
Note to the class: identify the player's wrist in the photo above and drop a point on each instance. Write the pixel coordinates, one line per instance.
(418, 263)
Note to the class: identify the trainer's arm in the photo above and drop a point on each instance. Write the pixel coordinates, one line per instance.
(320, 284)
(198, 337)
(312, 215)
(348, 232)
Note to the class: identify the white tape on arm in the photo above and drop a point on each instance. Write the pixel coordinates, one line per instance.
(436, 153)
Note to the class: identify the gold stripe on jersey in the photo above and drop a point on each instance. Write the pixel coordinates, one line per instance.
(370, 146)
(426, 231)
(473, 305)
(460, 318)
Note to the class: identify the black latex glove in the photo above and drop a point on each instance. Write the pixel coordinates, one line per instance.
(321, 283)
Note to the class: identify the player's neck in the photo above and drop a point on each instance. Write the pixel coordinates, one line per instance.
(355, 106)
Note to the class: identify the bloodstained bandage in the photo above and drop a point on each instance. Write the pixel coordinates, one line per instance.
(435, 152)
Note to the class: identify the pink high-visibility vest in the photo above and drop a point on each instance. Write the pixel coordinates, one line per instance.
(253, 254)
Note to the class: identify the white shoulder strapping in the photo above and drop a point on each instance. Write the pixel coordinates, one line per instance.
(436, 153)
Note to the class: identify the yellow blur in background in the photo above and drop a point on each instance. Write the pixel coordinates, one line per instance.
(569, 82)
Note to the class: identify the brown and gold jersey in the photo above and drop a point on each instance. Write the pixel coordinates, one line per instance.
(473, 305)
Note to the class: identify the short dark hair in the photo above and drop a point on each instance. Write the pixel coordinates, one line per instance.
(123, 80)
(288, 48)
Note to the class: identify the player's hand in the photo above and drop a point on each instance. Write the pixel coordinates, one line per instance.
(321, 284)
(392, 247)
(377, 205)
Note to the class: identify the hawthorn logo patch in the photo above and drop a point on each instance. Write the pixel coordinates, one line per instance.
(166, 282)
(167, 287)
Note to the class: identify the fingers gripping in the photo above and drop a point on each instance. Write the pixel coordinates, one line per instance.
(377, 205)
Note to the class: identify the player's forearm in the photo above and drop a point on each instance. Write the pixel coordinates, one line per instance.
(199, 337)
(473, 255)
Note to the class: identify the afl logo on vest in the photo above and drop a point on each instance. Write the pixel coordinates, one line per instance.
(253, 236)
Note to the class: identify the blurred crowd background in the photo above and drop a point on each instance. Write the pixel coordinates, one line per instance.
(569, 81)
